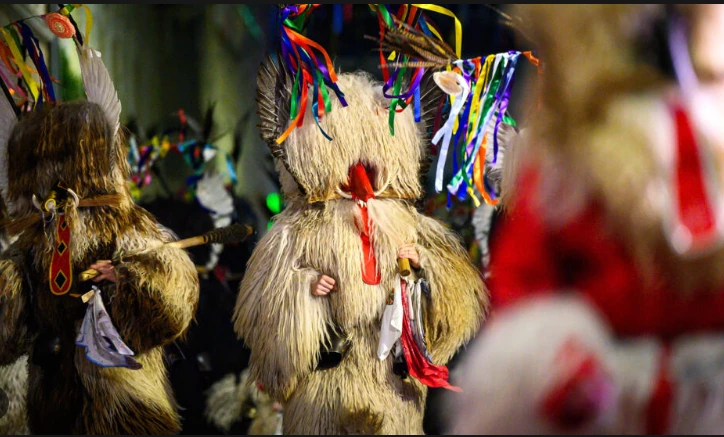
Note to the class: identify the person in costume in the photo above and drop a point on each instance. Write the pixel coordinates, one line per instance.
(606, 279)
(335, 334)
(94, 348)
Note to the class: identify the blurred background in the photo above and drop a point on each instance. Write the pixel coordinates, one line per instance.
(185, 75)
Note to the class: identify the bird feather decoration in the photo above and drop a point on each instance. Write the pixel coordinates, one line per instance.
(99, 87)
(273, 96)
(428, 51)
(486, 110)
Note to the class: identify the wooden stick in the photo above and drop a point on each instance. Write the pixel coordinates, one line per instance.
(403, 266)
(228, 234)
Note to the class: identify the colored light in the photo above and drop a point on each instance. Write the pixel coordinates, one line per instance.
(274, 203)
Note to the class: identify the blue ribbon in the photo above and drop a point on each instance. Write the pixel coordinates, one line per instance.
(417, 105)
(37, 55)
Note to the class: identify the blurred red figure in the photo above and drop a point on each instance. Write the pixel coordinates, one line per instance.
(607, 275)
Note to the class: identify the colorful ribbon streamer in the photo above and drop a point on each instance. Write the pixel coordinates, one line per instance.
(474, 115)
(298, 56)
(25, 74)
(196, 153)
(411, 15)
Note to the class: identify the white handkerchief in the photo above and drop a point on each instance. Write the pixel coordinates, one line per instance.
(391, 323)
(102, 343)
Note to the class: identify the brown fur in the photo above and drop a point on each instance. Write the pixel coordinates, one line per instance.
(593, 134)
(284, 324)
(152, 304)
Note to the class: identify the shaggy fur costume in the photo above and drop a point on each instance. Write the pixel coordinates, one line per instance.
(151, 304)
(276, 313)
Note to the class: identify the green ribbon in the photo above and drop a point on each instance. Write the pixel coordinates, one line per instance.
(295, 92)
(486, 108)
(396, 101)
(325, 93)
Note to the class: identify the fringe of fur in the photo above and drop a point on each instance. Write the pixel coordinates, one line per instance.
(284, 324)
(14, 382)
(360, 132)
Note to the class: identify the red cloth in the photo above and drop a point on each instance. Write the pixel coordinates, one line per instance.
(528, 258)
(419, 367)
(658, 411)
(584, 256)
(361, 189)
(579, 397)
(695, 211)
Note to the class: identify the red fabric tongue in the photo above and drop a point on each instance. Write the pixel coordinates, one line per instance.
(359, 183)
(695, 211)
(419, 367)
(361, 189)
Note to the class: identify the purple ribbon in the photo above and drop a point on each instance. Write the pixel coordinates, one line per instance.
(503, 105)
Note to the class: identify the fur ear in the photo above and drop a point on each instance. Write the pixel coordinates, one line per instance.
(273, 96)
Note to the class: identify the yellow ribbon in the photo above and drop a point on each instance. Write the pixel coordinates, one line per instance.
(88, 23)
(435, 32)
(18, 58)
(481, 85)
(88, 19)
(473, 196)
(458, 25)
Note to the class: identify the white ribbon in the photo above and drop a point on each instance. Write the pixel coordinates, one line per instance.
(445, 132)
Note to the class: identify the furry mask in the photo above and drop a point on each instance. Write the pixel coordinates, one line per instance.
(77, 143)
(316, 169)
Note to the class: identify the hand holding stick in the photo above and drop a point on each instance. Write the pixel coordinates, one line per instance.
(407, 256)
(403, 266)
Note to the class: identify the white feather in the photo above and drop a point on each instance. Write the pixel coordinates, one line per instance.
(98, 85)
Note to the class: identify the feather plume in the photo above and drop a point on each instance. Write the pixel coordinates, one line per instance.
(98, 85)
(422, 48)
(273, 99)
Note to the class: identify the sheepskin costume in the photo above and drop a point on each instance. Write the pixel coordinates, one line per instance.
(78, 145)
(606, 278)
(277, 315)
